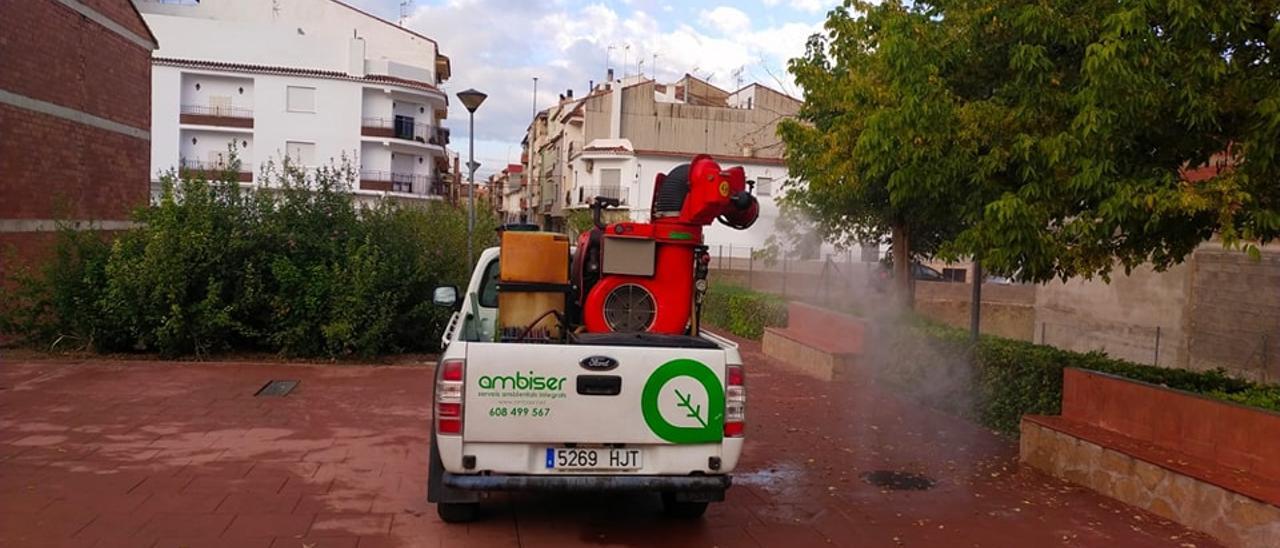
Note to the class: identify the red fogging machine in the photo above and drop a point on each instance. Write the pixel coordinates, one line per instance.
(633, 277)
(626, 277)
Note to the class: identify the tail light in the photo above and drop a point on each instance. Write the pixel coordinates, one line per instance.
(449, 391)
(735, 402)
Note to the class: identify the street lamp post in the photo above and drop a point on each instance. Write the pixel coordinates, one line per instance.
(471, 99)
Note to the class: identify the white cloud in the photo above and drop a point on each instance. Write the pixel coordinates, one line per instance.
(812, 6)
(727, 20)
(498, 46)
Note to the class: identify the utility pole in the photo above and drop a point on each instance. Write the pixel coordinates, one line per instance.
(975, 302)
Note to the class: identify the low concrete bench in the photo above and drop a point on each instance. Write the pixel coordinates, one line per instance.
(816, 341)
(1210, 465)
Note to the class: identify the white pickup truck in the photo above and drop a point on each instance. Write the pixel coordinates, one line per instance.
(604, 412)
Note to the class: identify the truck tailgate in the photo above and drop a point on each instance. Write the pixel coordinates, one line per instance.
(593, 394)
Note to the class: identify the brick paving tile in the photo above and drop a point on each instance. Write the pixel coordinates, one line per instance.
(316, 542)
(351, 524)
(176, 524)
(275, 525)
(135, 454)
(258, 503)
(201, 542)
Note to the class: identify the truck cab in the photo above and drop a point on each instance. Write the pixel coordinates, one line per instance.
(641, 412)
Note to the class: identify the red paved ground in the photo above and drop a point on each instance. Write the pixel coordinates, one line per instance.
(155, 454)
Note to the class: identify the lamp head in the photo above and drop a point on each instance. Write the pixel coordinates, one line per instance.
(471, 99)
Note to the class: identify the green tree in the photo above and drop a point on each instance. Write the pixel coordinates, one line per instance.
(1048, 139)
(880, 146)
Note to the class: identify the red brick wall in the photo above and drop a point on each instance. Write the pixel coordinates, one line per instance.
(55, 168)
(54, 54)
(58, 169)
(122, 13)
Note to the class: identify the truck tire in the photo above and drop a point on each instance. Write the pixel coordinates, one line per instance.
(452, 505)
(457, 512)
(682, 509)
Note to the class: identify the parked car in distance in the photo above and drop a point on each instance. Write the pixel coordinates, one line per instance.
(883, 277)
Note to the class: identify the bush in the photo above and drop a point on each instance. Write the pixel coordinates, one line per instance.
(741, 311)
(1006, 379)
(56, 303)
(299, 268)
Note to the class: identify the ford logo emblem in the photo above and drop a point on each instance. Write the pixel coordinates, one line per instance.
(598, 363)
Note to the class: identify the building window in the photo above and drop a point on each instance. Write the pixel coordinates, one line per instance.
(611, 178)
(764, 186)
(301, 153)
(300, 99)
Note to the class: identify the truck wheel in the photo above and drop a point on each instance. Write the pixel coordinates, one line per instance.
(682, 509)
(457, 512)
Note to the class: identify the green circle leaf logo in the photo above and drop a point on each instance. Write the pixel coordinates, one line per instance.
(710, 419)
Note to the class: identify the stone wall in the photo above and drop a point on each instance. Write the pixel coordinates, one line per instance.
(1009, 320)
(1221, 308)
(1234, 519)
(1233, 314)
(1122, 318)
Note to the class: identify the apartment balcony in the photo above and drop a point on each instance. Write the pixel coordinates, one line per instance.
(204, 115)
(441, 136)
(216, 171)
(404, 128)
(405, 183)
(585, 194)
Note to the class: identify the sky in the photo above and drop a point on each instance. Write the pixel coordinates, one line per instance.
(499, 46)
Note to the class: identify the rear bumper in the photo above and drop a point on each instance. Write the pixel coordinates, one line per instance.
(712, 487)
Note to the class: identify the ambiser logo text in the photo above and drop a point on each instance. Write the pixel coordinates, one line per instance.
(521, 382)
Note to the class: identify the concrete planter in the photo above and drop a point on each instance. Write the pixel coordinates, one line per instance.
(816, 342)
(1210, 465)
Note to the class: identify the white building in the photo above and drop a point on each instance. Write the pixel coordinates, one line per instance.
(616, 140)
(316, 80)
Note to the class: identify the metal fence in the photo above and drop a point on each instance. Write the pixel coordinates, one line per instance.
(223, 111)
(585, 194)
(836, 280)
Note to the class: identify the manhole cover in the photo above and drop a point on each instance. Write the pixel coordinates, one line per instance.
(898, 481)
(276, 388)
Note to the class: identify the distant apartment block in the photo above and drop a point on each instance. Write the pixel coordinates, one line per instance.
(616, 139)
(507, 189)
(316, 81)
(74, 120)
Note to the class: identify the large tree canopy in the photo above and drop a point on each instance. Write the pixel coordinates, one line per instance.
(1048, 138)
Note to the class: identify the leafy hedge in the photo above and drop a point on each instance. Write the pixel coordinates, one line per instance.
(1008, 378)
(300, 269)
(741, 311)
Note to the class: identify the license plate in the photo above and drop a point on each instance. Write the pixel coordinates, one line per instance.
(563, 458)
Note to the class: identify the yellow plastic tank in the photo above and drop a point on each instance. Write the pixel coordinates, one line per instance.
(528, 260)
(534, 257)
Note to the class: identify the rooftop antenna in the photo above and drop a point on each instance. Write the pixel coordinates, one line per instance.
(654, 67)
(737, 78)
(625, 50)
(404, 10)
